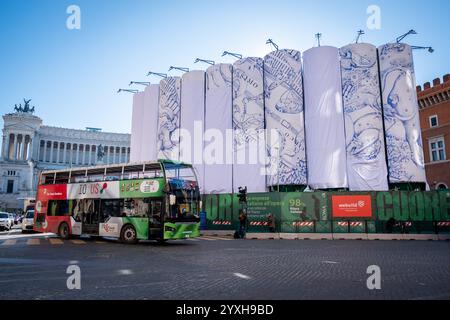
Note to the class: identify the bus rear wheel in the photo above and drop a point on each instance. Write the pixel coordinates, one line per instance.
(63, 231)
(128, 235)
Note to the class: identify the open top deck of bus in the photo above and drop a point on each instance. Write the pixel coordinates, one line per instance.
(148, 169)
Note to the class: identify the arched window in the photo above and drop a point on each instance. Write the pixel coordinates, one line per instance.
(441, 186)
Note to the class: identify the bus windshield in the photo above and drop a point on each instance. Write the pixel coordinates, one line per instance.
(184, 191)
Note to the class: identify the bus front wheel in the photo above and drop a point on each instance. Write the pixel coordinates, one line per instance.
(63, 231)
(128, 235)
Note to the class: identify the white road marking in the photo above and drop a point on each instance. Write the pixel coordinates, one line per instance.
(78, 241)
(331, 262)
(20, 236)
(207, 239)
(33, 242)
(74, 262)
(125, 272)
(56, 241)
(242, 276)
(9, 242)
(216, 238)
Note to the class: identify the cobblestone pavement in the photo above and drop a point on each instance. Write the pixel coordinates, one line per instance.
(34, 267)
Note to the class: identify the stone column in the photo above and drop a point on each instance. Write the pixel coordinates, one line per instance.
(29, 149)
(4, 156)
(57, 152)
(14, 157)
(83, 155)
(51, 151)
(77, 158)
(44, 158)
(22, 149)
(90, 154)
(65, 153)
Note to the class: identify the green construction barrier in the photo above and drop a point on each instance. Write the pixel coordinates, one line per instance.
(371, 226)
(340, 227)
(297, 212)
(323, 226)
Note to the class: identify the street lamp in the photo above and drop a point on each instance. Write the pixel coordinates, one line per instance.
(211, 62)
(403, 36)
(236, 55)
(360, 33)
(430, 49)
(270, 41)
(318, 36)
(127, 90)
(162, 75)
(178, 68)
(142, 83)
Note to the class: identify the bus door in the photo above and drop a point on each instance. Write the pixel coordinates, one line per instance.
(155, 213)
(91, 217)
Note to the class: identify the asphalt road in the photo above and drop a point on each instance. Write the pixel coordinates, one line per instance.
(34, 267)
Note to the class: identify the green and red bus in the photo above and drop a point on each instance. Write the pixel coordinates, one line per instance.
(141, 201)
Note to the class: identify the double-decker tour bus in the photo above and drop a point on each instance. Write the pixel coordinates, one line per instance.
(140, 201)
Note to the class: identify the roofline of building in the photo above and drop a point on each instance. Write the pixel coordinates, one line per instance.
(84, 131)
(437, 85)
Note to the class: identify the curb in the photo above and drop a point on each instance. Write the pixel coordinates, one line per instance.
(333, 236)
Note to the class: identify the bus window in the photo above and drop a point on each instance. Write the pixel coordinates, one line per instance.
(152, 174)
(47, 179)
(111, 208)
(62, 178)
(58, 208)
(78, 177)
(135, 208)
(133, 172)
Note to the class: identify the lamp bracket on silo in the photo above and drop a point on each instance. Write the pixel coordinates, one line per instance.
(360, 33)
(162, 75)
(178, 68)
(211, 62)
(318, 36)
(236, 55)
(403, 36)
(142, 83)
(270, 41)
(430, 49)
(127, 90)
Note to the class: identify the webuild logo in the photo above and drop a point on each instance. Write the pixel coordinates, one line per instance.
(352, 206)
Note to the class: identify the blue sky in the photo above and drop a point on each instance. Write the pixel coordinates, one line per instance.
(73, 75)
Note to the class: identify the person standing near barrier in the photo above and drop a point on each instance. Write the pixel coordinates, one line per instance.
(242, 224)
(271, 223)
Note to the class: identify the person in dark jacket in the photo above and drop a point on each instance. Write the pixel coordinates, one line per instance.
(271, 223)
(242, 224)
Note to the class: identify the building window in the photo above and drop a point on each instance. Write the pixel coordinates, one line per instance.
(441, 186)
(437, 150)
(434, 121)
(10, 186)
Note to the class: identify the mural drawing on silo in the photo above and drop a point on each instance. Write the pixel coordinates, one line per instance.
(137, 127)
(169, 118)
(401, 114)
(150, 123)
(248, 125)
(192, 121)
(366, 157)
(324, 119)
(218, 119)
(284, 112)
